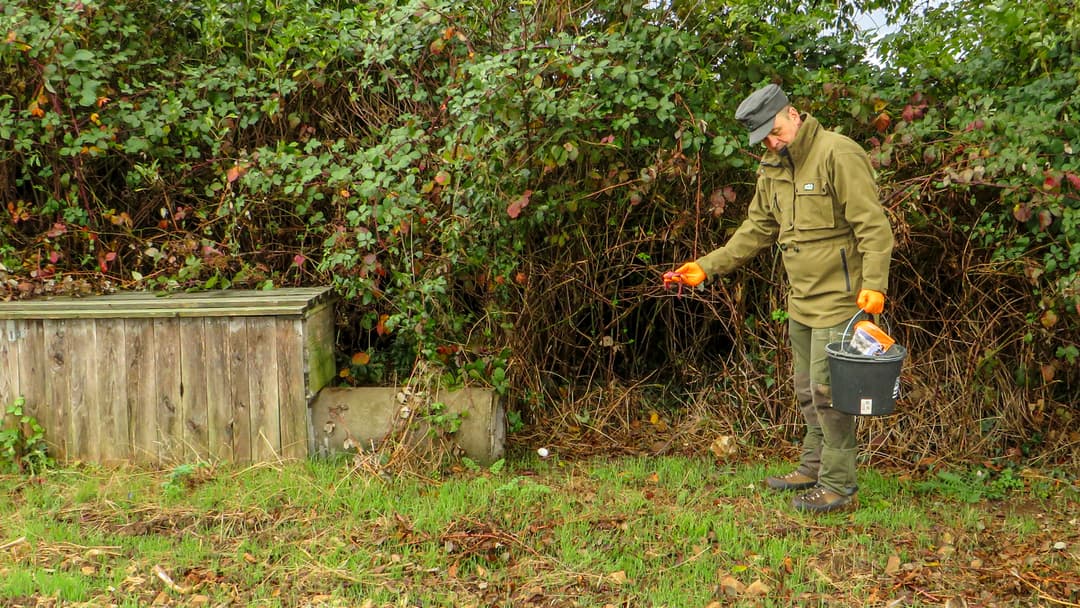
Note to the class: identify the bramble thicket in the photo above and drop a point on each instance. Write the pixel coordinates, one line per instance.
(496, 190)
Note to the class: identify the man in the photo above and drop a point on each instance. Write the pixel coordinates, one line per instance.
(817, 200)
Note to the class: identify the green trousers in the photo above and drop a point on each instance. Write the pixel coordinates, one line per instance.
(830, 447)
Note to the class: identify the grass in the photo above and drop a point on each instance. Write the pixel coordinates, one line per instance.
(674, 531)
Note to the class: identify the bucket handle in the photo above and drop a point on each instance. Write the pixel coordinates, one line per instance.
(880, 318)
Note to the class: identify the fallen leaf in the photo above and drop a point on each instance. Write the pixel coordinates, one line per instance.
(619, 577)
(732, 586)
(724, 446)
(893, 565)
(757, 589)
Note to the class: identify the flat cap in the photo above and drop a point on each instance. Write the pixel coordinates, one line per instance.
(757, 111)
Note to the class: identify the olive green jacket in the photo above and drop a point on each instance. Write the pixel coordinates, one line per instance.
(818, 202)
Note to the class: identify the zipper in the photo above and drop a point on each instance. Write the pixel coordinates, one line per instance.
(843, 261)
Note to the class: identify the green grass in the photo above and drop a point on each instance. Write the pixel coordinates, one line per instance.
(666, 531)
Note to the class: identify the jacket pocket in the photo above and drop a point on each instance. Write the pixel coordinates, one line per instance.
(813, 205)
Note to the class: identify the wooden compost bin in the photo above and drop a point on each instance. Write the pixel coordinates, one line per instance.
(224, 375)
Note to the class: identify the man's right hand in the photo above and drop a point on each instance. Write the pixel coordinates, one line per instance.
(689, 274)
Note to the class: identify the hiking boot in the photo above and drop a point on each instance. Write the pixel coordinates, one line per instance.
(823, 500)
(792, 481)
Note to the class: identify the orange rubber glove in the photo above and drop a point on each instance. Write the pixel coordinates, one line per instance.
(871, 301)
(688, 274)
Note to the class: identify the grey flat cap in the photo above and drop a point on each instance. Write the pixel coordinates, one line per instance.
(757, 111)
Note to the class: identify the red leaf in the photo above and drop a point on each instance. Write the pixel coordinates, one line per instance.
(1052, 182)
(1045, 219)
(514, 210)
(232, 174)
(299, 259)
(1074, 180)
(882, 122)
(1022, 213)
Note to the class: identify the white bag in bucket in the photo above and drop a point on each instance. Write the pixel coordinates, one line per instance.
(865, 384)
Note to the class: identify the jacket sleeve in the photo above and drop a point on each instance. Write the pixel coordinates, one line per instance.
(757, 231)
(853, 181)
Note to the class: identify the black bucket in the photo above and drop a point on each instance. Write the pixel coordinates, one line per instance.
(864, 385)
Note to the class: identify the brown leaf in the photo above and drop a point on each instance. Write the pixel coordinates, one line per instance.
(893, 565)
(1022, 212)
(1049, 319)
(731, 586)
(1045, 219)
(724, 446)
(757, 589)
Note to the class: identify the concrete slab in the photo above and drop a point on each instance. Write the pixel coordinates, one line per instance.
(367, 415)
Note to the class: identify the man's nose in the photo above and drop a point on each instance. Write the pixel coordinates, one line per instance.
(771, 141)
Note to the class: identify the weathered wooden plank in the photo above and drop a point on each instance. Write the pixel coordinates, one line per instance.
(292, 402)
(262, 378)
(57, 391)
(142, 394)
(194, 376)
(84, 432)
(10, 385)
(32, 369)
(113, 417)
(319, 363)
(170, 417)
(292, 302)
(239, 390)
(153, 313)
(219, 437)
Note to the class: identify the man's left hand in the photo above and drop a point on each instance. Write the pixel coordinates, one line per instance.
(871, 301)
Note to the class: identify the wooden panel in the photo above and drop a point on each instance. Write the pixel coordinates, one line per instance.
(142, 392)
(10, 387)
(32, 370)
(84, 430)
(319, 349)
(262, 379)
(194, 377)
(57, 392)
(292, 402)
(239, 391)
(169, 417)
(112, 415)
(219, 436)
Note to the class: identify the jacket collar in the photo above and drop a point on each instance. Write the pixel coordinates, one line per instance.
(800, 147)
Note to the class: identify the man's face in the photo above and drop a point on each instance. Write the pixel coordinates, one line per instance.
(785, 127)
